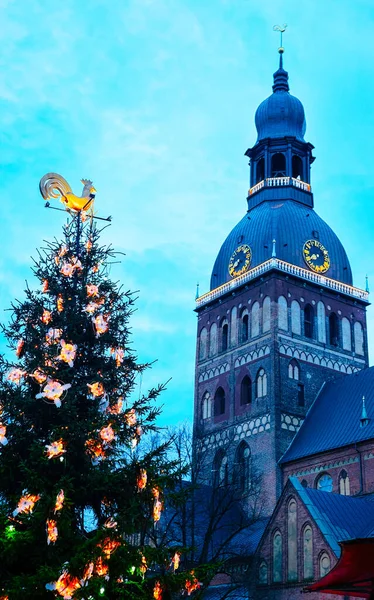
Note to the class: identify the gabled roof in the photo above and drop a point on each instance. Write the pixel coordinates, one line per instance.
(333, 420)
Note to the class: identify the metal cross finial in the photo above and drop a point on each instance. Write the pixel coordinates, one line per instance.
(281, 29)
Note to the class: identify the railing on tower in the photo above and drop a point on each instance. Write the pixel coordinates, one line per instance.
(281, 265)
(279, 182)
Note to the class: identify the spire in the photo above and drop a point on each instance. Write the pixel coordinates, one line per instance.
(367, 284)
(364, 416)
(197, 291)
(280, 76)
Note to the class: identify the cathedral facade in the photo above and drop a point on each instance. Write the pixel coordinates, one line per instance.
(283, 391)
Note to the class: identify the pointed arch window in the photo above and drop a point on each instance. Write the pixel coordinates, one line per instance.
(294, 370)
(333, 330)
(308, 552)
(295, 317)
(344, 485)
(203, 344)
(321, 322)
(206, 406)
(244, 333)
(278, 165)
(213, 339)
(255, 319)
(308, 321)
(266, 305)
(224, 336)
(359, 338)
(219, 402)
(243, 468)
(220, 469)
(346, 334)
(324, 564)
(245, 391)
(282, 313)
(277, 557)
(263, 573)
(261, 383)
(233, 326)
(292, 541)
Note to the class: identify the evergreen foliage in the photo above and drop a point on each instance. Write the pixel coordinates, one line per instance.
(68, 427)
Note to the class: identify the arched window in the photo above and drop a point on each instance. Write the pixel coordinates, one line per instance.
(278, 165)
(294, 370)
(321, 322)
(277, 557)
(213, 337)
(308, 552)
(297, 167)
(295, 317)
(203, 347)
(266, 314)
(206, 406)
(243, 468)
(304, 483)
(224, 336)
(245, 391)
(344, 486)
(260, 170)
(359, 338)
(219, 402)
(255, 319)
(282, 313)
(292, 541)
(233, 328)
(333, 330)
(346, 334)
(263, 573)
(324, 564)
(308, 321)
(261, 383)
(324, 483)
(220, 469)
(244, 333)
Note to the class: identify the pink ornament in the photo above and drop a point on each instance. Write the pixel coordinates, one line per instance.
(15, 375)
(100, 324)
(3, 439)
(53, 391)
(68, 353)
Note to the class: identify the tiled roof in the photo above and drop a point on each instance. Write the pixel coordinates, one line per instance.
(333, 420)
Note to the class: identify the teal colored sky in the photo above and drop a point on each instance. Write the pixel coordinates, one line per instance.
(154, 100)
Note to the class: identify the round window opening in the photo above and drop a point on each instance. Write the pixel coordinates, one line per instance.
(324, 483)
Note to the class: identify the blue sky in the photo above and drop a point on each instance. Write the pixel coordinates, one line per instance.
(154, 100)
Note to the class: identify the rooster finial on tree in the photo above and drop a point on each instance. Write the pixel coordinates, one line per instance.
(53, 185)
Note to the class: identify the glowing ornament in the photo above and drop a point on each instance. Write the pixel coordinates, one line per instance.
(157, 510)
(109, 546)
(100, 324)
(68, 353)
(55, 449)
(26, 504)
(15, 375)
(52, 531)
(65, 586)
(116, 409)
(60, 303)
(88, 571)
(143, 565)
(157, 591)
(118, 354)
(3, 439)
(130, 417)
(76, 263)
(176, 560)
(141, 481)
(46, 317)
(88, 245)
(95, 268)
(97, 389)
(101, 568)
(92, 307)
(92, 290)
(95, 448)
(107, 434)
(67, 269)
(110, 523)
(39, 376)
(60, 498)
(45, 287)
(53, 335)
(53, 391)
(19, 350)
(192, 584)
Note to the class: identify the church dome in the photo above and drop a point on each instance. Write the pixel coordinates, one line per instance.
(280, 114)
(291, 224)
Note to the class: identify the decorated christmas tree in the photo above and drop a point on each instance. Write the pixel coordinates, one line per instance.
(76, 502)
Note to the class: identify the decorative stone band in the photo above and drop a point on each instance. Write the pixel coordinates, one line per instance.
(291, 422)
(326, 466)
(205, 375)
(319, 360)
(281, 265)
(279, 182)
(241, 431)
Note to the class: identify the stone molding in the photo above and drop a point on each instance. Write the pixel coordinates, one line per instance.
(318, 360)
(240, 432)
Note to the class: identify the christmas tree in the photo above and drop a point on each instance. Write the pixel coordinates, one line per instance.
(76, 502)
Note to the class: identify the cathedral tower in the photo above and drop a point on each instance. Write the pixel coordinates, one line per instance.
(282, 316)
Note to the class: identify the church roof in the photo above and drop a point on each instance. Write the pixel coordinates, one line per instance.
(291, 224)
(333, 420)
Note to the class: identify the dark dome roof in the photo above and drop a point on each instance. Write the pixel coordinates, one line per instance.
(281, 114)
(291, 224)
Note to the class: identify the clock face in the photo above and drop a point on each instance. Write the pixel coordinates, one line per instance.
(316, 256)
(240, 261)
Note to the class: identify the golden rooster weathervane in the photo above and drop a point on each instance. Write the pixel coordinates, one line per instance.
(53, 185)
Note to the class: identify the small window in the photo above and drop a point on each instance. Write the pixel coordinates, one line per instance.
(300, 394)
(304, 483)
(245, 391)
(243, 468)
(277, 557)
(324, 564)
(260, 170)
(308, 552)
(220, 469)
(245, 328)
(297, 167)
(206, 406)
(263, 573)
(334, 329)
(278, 165)
(261, 384)
(225, 337)
(344, 486)
(324, 483)
(308, 321)
(219, 402)
(293, 370)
